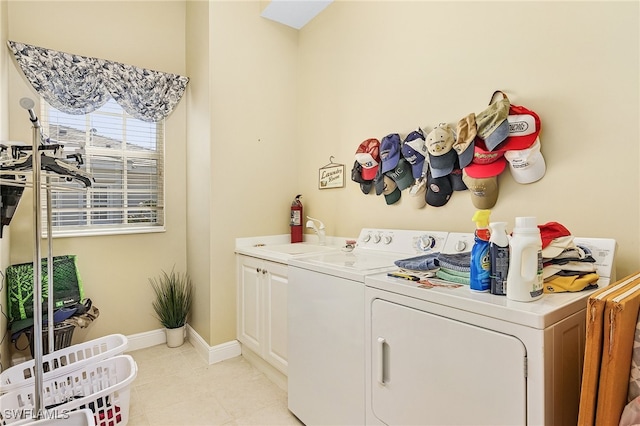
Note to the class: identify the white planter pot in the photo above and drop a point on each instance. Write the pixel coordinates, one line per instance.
(175, 336)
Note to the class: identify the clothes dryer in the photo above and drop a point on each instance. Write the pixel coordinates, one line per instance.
(450, 356)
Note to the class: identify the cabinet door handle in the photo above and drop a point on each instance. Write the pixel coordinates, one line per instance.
(264, 271)
(380, 356)
(258, 270)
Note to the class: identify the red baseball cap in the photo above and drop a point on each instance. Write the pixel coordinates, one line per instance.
(485, 163)
(368, 155)
(550, 231)
(524, 128)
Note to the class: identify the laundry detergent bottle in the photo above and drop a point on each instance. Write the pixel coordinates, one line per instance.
(524, 279)
(499, 257)
(480, 276)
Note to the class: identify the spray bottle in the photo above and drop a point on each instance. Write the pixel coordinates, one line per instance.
(296, 220)
(499, 255)
(480, 278)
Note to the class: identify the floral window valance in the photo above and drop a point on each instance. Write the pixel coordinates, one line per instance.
(77, 84)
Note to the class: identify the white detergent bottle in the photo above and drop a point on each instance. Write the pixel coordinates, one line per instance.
(524, 280)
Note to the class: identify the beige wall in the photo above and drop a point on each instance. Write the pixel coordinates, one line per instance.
(368, 69)
(254, 148)
(198, 172)
(114, 269)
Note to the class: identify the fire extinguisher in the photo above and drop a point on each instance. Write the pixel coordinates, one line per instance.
(296, 220)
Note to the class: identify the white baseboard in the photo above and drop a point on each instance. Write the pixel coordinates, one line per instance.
(146, 339)
(216, 353)
(211, 354)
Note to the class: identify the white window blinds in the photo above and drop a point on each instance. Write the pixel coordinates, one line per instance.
(125, 157)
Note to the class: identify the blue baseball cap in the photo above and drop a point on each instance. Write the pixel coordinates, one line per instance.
(390, 152)
(414, 150)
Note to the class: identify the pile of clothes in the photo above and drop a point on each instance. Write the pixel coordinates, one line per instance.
(448, 267)
(567, 266)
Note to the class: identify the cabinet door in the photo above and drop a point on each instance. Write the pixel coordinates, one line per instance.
(431, 370)
(249, 306)
(275, 296)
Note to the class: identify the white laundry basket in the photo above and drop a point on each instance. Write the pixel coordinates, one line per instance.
(82, 417)
(103, 387)
(63, 360)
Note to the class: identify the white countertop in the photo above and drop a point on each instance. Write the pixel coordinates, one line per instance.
(278, 248)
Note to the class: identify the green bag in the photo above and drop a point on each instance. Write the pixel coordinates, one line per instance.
(67, 286)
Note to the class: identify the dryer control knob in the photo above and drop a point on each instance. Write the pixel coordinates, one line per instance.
(461, 246)
(366, 238)
(376, 238)
(387, 239)
(426, 243)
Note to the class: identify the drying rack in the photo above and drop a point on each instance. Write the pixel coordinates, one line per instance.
(37, 184)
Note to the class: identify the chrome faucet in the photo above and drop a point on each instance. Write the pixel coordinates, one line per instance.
(319, 230)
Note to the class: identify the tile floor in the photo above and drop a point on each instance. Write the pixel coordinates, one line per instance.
(176, 386)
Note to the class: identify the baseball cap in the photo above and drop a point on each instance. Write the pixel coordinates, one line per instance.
(550, 231)
(378, 181)
(527, 165)
(390, 151)
(492, 123)
(438, 190)
(485, 163)
(418, 192)
(571, 283)
(391, 191)
(442, 156)
(524, 128)
(557, 246)
(466, 131)
(368, 155)
(414, 150)
(356, 176)
(440, 140)
(484, 191)
(457, 184)
(442, 165)
(569, 268)
(401, 174)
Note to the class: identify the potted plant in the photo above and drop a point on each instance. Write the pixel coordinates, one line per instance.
(173, 298)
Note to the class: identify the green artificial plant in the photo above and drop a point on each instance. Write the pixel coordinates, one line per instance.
(174, 295)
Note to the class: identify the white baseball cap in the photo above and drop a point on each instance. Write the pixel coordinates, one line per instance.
(527, 165)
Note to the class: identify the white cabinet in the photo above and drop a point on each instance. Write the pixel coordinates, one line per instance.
(262, 309)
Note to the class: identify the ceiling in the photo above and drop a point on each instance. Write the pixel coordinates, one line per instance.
(294, 13)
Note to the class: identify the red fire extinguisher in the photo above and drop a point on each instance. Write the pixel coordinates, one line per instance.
(296, 220)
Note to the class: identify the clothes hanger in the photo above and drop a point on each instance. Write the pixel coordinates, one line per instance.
(23, 161)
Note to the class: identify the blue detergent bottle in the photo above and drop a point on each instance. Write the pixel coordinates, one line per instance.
(480, 276)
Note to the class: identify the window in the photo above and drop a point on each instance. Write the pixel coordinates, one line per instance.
(124, 155)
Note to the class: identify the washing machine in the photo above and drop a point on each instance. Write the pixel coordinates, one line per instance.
(326, 317)
(450, 356)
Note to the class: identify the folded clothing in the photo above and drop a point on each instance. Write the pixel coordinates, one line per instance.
(457, 261)
(425, 262)
(448, 276)
(456, 273)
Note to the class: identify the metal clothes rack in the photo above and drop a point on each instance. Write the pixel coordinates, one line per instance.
(37, 185)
